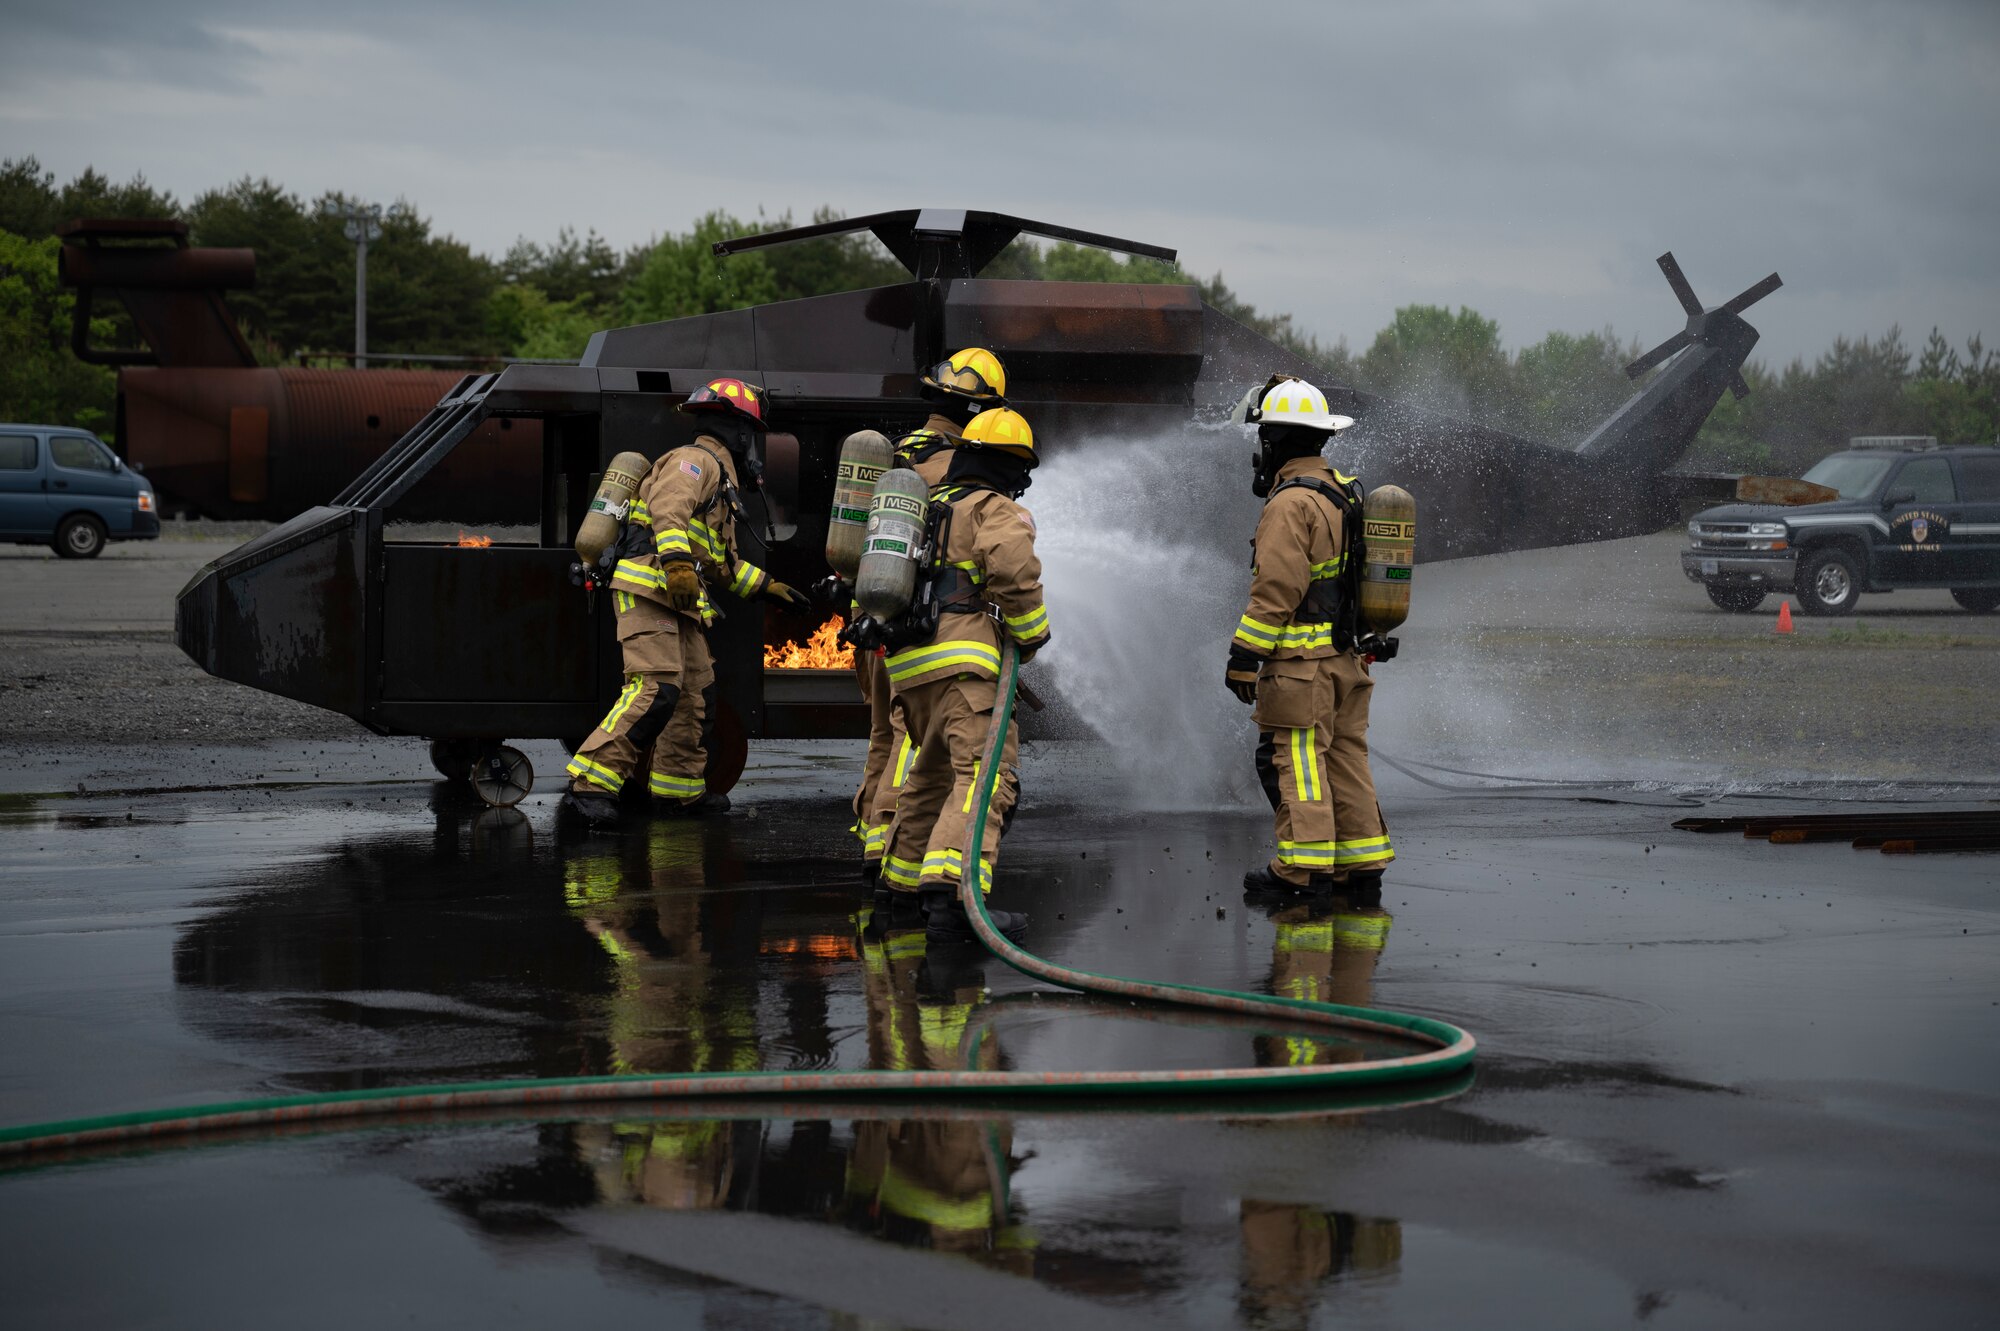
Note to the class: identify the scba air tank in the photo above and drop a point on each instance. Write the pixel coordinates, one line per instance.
(614, 498)
(892, 552)
(864, 456)
(1389, 528)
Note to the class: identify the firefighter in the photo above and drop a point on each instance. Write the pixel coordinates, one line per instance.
(679, 536)
(1294, 655)
(958, 388)
(987, 581)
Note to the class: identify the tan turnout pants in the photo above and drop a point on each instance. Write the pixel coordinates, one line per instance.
(947, 721)
(667, 703)
(890, 756)
(1312, 757)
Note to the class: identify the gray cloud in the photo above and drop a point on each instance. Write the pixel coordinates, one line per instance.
(1526, 158)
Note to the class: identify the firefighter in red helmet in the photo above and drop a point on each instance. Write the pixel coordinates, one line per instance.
(679, 544)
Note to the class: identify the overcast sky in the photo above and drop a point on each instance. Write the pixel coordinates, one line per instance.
(1527, 158)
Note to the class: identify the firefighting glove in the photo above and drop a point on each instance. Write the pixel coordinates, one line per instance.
(1242, 676)
(683, 587)
(785, 593)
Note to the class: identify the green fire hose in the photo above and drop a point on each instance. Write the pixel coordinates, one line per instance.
(1450, 1053)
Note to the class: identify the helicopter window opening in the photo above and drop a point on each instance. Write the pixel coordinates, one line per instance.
(1855, 477)
(486, 491)
(655, 381)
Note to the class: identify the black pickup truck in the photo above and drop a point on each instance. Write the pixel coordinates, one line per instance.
(1910, 514)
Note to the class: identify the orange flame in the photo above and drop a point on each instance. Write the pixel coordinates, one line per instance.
(823, 651)
(474, 542)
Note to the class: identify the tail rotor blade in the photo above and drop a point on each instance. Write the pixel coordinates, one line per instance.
(1678, 281)
(1738, 387)
(1657, 354)
(1752, 295)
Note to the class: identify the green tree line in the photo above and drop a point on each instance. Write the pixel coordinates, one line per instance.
(430, 293)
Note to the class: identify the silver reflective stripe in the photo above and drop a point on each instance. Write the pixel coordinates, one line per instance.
(1839, 520)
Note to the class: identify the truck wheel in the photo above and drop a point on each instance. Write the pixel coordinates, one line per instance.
(1829, 582)
(1979, 600)
(79, 537)
(1736, 600)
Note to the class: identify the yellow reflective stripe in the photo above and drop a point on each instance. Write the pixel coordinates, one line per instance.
(1362, 931)
(1307, 854)
(973, 788)
(902, 872)
(1258, 634)
(645, 575)
(1031, 625)
(673, 541)
(1365, 851)
(623, 601)
(638, 512)
(1298, 636)
(748, 579)
(1328, 568)
(949, 863)
(708, 540)
(873, 837)
(597, 774)
(677, 787)
(971, 569)
(912, 1200)
(904, 944)
(623, 705)
(1314, 936)
(904, 757)
(942, 1028)
(1305, 764)
(939, 655)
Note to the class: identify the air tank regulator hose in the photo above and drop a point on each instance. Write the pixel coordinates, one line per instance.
(1451, 1049)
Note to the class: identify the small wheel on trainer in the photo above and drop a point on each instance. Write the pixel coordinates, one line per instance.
(453, 758)
(502, 776)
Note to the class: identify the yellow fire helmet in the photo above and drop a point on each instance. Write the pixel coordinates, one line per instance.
(1002, 428)
(974, 373)
(1289, 401)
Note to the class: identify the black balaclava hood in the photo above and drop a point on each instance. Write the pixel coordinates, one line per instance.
(990, 467)
(953, 406)
(1277, 445)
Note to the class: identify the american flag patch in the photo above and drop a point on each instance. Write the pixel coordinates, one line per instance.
(1027, 519)
(691, 468)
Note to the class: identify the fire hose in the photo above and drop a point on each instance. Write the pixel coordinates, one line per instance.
(1450, 1052)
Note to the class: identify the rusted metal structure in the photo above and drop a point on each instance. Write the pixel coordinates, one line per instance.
(471, 645)
(218, 434)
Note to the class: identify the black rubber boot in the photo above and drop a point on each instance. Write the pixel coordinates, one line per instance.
(708, 806)
(897, 910)
(597, 810)
(945, 920)
(1264, 881)
(1363, 889)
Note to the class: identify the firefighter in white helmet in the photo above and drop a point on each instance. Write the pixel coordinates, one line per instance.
(1294, 653)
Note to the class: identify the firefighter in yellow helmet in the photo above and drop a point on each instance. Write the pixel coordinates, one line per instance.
(1294, 653)
(679, 538)
(988, 581)
(958, 389)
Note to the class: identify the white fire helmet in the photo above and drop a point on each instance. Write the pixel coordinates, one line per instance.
(1288, 401)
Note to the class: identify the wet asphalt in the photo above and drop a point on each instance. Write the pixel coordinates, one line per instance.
(1720, 1083)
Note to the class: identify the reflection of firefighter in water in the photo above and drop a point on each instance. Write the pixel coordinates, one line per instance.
(1290, 1251)
(669, 1010)
(1325, 951)
(941, 1184)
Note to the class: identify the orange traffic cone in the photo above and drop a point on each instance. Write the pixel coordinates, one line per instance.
(1785, 617)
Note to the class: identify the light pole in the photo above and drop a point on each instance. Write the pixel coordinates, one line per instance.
(363, 224)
